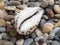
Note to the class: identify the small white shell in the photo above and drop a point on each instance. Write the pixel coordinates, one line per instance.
(27, 20)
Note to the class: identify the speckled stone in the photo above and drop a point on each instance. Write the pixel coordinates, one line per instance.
(1, 13)
(28, 41)
(48, 27)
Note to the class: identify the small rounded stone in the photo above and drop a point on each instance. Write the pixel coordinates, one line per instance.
(1, 5)
(47, 27)
(57, 24)
(20, 42)
(28, 41)
(2, 29)
(57, 8)
(57, 16)
(44, 44)
(38, 32)
(2, 22)
(55, 43)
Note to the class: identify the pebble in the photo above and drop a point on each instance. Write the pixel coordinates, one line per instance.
(57, 24)
(14, 3)
(51, 21)
(48, 27)
(1, 5)
(39, 32)
(57, 16)
(45, 35)
(55, 43)
(13, 32)
(2, 29)
(28, 41)
(38, 38)
(20, 42)
(0, 37)
(5, 36)
(34, 4)
(42, 22)
(1, 13)
(8, 17)
(10, 7)
(44, 4)
(53, 32)
(25, 1)
(45, 17)
(13, 39)
(57, 9)
(2, 22)
(49, 13)
(33, 35)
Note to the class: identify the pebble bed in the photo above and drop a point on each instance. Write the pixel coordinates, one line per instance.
(47, 31)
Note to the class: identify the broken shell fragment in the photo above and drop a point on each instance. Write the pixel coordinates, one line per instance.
(28, 19)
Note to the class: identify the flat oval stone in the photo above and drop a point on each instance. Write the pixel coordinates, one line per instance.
(28, 41)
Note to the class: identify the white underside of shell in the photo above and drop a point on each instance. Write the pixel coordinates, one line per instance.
(30, 24)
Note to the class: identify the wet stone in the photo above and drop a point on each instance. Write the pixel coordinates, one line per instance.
(28, 41)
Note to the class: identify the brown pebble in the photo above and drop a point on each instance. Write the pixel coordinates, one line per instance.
(49, 13)
(57, 16)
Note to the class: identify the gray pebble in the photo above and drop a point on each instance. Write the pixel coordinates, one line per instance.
(42, 22)
(50, 21)
(14, 3)
(5, 36)
(38, 38)
(28, 41)
(55, 43)
(2, 29)
(34, 4)
(33, 35)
